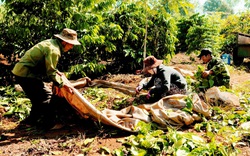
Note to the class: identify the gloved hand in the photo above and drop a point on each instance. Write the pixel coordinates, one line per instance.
(148, 95)
(138, 89)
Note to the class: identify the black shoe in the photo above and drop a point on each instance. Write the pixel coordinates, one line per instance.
(23, 126)
(45, 123)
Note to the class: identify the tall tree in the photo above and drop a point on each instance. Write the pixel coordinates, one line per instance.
(247, 4)
(211, 6)
(232, 3)
(2, 10)
(109, 30)
(180, 7)
(26, 22)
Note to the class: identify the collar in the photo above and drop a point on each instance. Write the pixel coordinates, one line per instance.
(58, 41)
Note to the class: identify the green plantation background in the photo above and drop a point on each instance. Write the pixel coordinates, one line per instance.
(115, 34)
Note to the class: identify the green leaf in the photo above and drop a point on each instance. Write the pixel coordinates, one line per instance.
(105, 149)
(87, 141)
(211, 82)
(183, 151)
(119, 152)
(138, 151)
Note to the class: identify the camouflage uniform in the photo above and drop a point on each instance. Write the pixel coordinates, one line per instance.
(220, 72)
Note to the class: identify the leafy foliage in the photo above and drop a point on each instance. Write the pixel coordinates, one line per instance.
(184, 24)
(101, 98)
(205, 35)
(181, 7)
(26, 23)
(110, 32)
(132, 18)
(201, 84)
(198, 32)
(158, 142)
(16, 103)
(230, 27)
(217, 6)
(113, 32)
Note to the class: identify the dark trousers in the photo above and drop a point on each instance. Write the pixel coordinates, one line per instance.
(40, 95)
(174, 89)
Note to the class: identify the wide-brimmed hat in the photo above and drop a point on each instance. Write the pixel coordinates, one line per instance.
(69, 36)
(204, 52)
(151, 62)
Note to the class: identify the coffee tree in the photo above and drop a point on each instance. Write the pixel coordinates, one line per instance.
(111, 32)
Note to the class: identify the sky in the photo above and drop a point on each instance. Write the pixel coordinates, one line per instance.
(240, 7)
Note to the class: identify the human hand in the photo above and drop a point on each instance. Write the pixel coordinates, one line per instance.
(205, 74)
(148, 95)
(69, 88)
(138, 89)
(137, 72)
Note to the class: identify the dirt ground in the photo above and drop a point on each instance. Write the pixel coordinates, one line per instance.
(86, 135)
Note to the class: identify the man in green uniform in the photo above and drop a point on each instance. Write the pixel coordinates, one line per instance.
(215, 67)
(39, 61)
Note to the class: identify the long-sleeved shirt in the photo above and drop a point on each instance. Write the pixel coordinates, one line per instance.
(40, 60)
(220, 71)
(168, 76)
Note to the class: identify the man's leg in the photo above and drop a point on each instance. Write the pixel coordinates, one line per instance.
(39, 95)
(174, 89)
